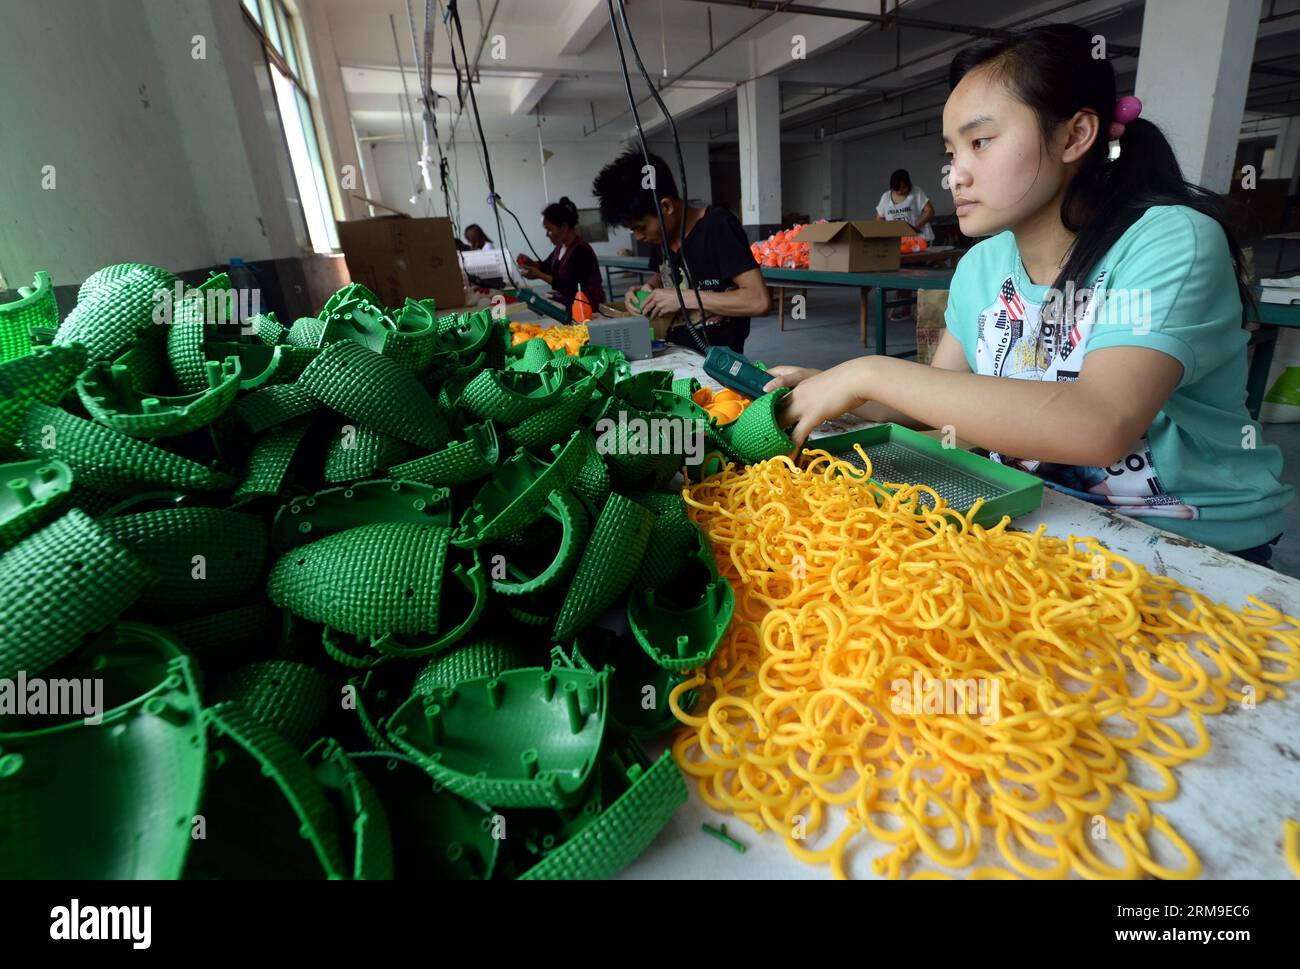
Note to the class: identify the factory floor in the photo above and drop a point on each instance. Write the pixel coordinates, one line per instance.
(829, 335)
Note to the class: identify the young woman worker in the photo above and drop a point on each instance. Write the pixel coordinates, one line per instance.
(1095, 336)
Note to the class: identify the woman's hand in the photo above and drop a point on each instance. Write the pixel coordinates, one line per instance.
(785, 376)
(529, 270)
(821, 396)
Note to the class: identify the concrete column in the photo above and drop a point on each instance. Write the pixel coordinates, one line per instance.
(1193, 72)
(1288, 152)
(758, 108)
(832, 175)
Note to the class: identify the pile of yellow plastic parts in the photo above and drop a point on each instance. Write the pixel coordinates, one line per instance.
(570, 338)
(977, 701)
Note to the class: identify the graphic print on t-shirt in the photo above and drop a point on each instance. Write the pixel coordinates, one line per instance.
(1011, 345)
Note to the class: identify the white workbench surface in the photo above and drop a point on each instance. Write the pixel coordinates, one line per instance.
(1230, 803)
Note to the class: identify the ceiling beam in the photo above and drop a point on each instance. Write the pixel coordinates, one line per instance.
(525, 93)
(583, 22)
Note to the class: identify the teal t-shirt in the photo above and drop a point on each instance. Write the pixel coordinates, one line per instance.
(1202, 469)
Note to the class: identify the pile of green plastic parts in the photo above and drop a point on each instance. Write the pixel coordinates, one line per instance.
(377, 594)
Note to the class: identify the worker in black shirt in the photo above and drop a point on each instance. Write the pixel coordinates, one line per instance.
(717, 252)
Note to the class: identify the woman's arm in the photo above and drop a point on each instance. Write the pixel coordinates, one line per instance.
(1090, 421)
(927, 214)
(750, 298)
(948, 355)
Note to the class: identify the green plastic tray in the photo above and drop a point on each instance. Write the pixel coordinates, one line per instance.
(899, 454)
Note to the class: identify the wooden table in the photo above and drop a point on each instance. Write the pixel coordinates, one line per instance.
(1230, 803)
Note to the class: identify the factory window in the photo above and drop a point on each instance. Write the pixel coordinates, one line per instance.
(281, 42)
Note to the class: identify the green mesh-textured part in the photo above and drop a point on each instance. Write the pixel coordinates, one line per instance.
(305, 332)
(468, 334)
(17, 318)
(592, 481)
(555, 423)
(93, 503)
(509, 396)
(575, 529)
(375, 391)
(610, 560)
(274, 405)
(231, 633)
(516, 496)
(622, 831)
(232, 545)
(270, 460)
(363, 813)
(672, 538)
(350, 651)
(756, 436)
(449, 392)
(477, 658)
(266, 328)
(57, 585)
(293, 361)
(639, 447)
(35, 491)
(102, 459)
(352, 292)
(102, 278)
(43, 376)
(370, 580)
(414, 341)
(185, 343)
(638, 389)
(280, 762)
(113, 317)
(290, 698)
(477, 754)
(361, 453)
(537, 354)
(685, 386)
(113, 395)
(457, 464)
(147, 364)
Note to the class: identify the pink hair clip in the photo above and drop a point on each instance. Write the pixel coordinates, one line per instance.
(1127, 110)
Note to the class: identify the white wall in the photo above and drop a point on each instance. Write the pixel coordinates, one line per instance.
(868, 163)
(801, 180)
(518, 176)
(158, 157)
(696, 156)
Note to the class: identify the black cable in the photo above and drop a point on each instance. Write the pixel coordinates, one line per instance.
(677, 147)
(701, 341)
(454, 13)
(521, 229)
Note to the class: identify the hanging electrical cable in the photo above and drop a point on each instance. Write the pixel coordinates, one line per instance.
(401, 69)
(493, 200)
(696, 332)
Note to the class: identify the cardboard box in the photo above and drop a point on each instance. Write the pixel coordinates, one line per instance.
(402, 257)
(857, 246)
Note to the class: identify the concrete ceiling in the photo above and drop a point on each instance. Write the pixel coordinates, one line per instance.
(556, 60)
